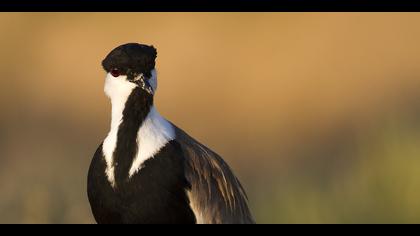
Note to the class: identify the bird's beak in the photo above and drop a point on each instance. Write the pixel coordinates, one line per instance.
(143, 83)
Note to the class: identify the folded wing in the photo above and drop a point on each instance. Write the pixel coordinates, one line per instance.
(216, 196)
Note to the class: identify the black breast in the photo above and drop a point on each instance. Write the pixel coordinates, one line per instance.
(156, 194)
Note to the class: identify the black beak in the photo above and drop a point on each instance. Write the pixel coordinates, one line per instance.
(143, 83)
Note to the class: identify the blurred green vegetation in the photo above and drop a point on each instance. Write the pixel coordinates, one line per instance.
(381, 185)
(317, 113)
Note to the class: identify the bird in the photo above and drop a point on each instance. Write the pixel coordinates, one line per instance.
(149, 171)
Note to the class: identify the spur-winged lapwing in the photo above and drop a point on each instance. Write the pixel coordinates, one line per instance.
(147, 170)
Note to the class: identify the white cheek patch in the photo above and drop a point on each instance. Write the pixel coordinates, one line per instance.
(153, 80)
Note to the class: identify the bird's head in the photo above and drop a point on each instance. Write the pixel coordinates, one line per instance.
(131, 65)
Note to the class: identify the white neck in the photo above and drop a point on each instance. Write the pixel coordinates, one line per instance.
(118, 90)
(154, 133)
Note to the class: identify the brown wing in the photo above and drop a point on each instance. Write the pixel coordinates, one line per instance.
(216, 196)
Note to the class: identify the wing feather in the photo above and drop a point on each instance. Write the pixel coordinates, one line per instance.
(216, 194)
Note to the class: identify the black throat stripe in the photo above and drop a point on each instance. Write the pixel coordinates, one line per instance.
(136, 109)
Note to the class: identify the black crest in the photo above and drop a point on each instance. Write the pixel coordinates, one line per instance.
(131, 58)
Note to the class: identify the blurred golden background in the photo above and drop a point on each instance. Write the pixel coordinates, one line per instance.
(317, 113)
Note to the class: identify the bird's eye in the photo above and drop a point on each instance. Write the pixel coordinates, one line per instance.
(115, 72)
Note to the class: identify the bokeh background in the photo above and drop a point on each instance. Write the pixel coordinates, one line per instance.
(317, 113)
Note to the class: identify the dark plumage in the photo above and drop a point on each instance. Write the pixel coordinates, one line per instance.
(156, 195)
(131, 58)
(176, 179)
